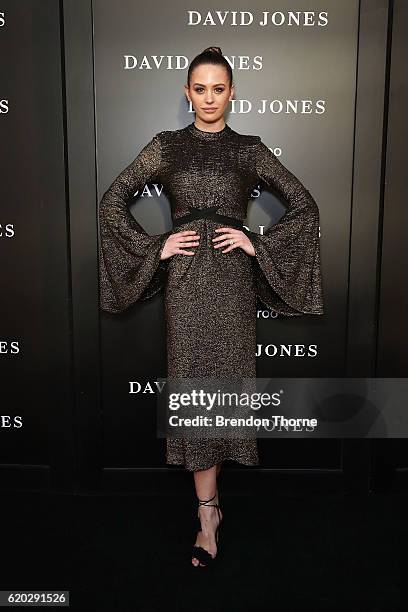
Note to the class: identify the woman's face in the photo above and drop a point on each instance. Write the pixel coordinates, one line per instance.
(209, 89)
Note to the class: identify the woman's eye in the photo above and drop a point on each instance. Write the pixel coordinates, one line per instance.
(217, 89)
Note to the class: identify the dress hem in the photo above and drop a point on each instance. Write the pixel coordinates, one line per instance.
(225, 458)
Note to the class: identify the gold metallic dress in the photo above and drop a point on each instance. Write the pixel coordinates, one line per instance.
(210, 297)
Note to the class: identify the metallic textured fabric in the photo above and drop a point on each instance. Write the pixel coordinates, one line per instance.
(210, 297)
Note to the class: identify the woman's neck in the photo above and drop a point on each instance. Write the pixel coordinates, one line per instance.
(210, 127)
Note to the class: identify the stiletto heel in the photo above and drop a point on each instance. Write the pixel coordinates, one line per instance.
(198, 552)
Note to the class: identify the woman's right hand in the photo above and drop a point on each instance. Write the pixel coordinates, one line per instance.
(176, 243)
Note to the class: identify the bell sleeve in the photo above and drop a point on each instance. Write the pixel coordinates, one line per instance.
(130, 268)
(286, 264)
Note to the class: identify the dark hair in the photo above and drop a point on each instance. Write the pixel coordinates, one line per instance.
(210, 55)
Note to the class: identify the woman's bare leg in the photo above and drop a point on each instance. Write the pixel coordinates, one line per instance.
(206, 487)
(218, 466)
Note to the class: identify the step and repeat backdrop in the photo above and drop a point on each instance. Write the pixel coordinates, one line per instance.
(35, 309)
(85, 86)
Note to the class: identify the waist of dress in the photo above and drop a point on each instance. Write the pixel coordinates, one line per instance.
(207, 213)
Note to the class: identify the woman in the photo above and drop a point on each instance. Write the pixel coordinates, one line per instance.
(211, 267)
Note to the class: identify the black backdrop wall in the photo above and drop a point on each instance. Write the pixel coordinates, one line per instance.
(71, 118)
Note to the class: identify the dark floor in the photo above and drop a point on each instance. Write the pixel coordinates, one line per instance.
(284, 551)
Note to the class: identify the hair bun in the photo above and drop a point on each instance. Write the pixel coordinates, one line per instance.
(213, 50)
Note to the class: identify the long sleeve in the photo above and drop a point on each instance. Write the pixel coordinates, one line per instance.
(130, 268)
(287, 256)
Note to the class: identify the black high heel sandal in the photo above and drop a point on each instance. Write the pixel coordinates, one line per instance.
(198, 552)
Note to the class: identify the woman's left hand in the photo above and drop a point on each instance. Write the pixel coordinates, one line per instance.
(240, 240)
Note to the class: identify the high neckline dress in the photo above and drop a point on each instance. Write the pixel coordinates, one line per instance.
(211, 297)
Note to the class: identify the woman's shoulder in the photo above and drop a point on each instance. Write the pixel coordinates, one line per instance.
(170, 134)
(247, 139)
(167, 139)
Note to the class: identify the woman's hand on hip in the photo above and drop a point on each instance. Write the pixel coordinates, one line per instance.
(233, 238)
(176, 243)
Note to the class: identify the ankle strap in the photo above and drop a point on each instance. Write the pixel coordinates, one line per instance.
(204, 502)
